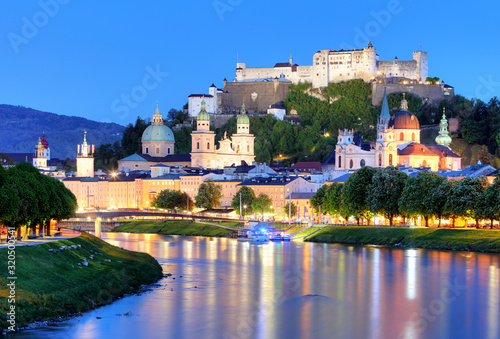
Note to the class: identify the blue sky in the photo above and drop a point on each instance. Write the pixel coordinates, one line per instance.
(112, 60)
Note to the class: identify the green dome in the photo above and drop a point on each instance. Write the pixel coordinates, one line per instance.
(203, 116)
(158, 133)
(243, 119)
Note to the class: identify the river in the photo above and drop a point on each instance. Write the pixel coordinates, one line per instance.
(229, 289)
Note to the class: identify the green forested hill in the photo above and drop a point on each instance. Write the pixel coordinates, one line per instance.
(21, 127)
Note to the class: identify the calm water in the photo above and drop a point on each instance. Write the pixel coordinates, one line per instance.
(298, 290)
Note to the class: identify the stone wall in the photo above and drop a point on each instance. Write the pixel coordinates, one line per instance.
(432, 93)
(257, 96)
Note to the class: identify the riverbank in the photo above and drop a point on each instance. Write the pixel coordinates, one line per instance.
(174, 227)
(66, 277)
(438, 239)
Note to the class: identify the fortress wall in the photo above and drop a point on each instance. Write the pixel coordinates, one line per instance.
(405, 69)
(434, 93)
(258, 96)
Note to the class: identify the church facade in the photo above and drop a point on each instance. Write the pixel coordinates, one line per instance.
(398, 143)
(231, 151)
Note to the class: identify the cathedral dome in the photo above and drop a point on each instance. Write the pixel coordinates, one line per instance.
(203, 116)
(243, 117)
(158, 133)
(404, 120)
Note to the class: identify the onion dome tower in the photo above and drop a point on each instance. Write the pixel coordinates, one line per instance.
(40, 158)
(158, 140)
(443, 138)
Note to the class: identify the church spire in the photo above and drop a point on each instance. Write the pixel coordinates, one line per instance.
(157, 116)
(385, 106)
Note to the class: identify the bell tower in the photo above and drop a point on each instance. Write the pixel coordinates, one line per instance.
(85, 159)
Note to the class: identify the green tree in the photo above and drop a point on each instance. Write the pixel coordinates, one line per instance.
(209, 195)
(173, 200)
(355, 191)
(437, 197)
(385, 191)
(463, 197)
(319, 198)
(334, 203)
(131, 139)
(262, 204)
(415, 198)
(488, 203)
(247, 197)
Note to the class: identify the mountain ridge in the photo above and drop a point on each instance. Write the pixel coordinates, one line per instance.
(21, 127)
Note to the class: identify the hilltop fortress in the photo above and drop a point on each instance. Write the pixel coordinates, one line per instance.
(329, 65)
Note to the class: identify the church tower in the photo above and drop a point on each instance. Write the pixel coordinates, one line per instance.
(443, 138)
(203, 141)
(243, 141)
(40, 158)
(85, 159)
(385, 148)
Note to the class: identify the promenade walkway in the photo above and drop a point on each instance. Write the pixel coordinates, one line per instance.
(65, 234)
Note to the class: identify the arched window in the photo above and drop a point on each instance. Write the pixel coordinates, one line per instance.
(208, 145)
(238, 149)
(248, 148)
(390, 159)
(351, 164)
(197, 145)
(362, 163)
(147, 150)
(168, 150)
(380, 160)
(401, 136)
(413, 137)
(157, 150)
(340, 161)
(424, 163)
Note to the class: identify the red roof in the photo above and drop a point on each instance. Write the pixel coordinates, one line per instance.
(45, 143)
(307, 166)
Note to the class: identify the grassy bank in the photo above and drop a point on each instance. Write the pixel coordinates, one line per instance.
(173, 227)
(51, 285)
(440, 239)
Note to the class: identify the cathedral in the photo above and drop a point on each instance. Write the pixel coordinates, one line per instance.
(158, 145)
(240, 148)
(398, 143)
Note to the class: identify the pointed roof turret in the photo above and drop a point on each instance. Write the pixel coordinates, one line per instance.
(404, 103)
(443, 138)
(385, 106)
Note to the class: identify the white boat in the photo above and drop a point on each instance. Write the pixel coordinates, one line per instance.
(256, 235)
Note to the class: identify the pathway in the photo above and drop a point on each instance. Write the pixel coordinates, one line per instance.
(65, 234)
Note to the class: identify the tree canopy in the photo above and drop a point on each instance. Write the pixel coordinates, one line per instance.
(247, 197)
(209, 195)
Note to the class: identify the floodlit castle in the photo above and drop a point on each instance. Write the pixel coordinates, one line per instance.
(240, 148)
(398, 143)
(329, 65)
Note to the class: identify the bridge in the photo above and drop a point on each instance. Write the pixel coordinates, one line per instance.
(128, 214)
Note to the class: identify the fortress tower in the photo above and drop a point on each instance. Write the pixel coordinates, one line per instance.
(422, 65)
(85, 159)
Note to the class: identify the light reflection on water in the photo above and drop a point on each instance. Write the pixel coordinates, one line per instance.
(230, 289)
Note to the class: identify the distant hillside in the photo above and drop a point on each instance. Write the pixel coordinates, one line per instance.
(21, 127)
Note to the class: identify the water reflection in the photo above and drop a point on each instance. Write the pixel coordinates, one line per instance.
(298, 290)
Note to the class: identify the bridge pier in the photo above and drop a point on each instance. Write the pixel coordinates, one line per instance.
(98, 227)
